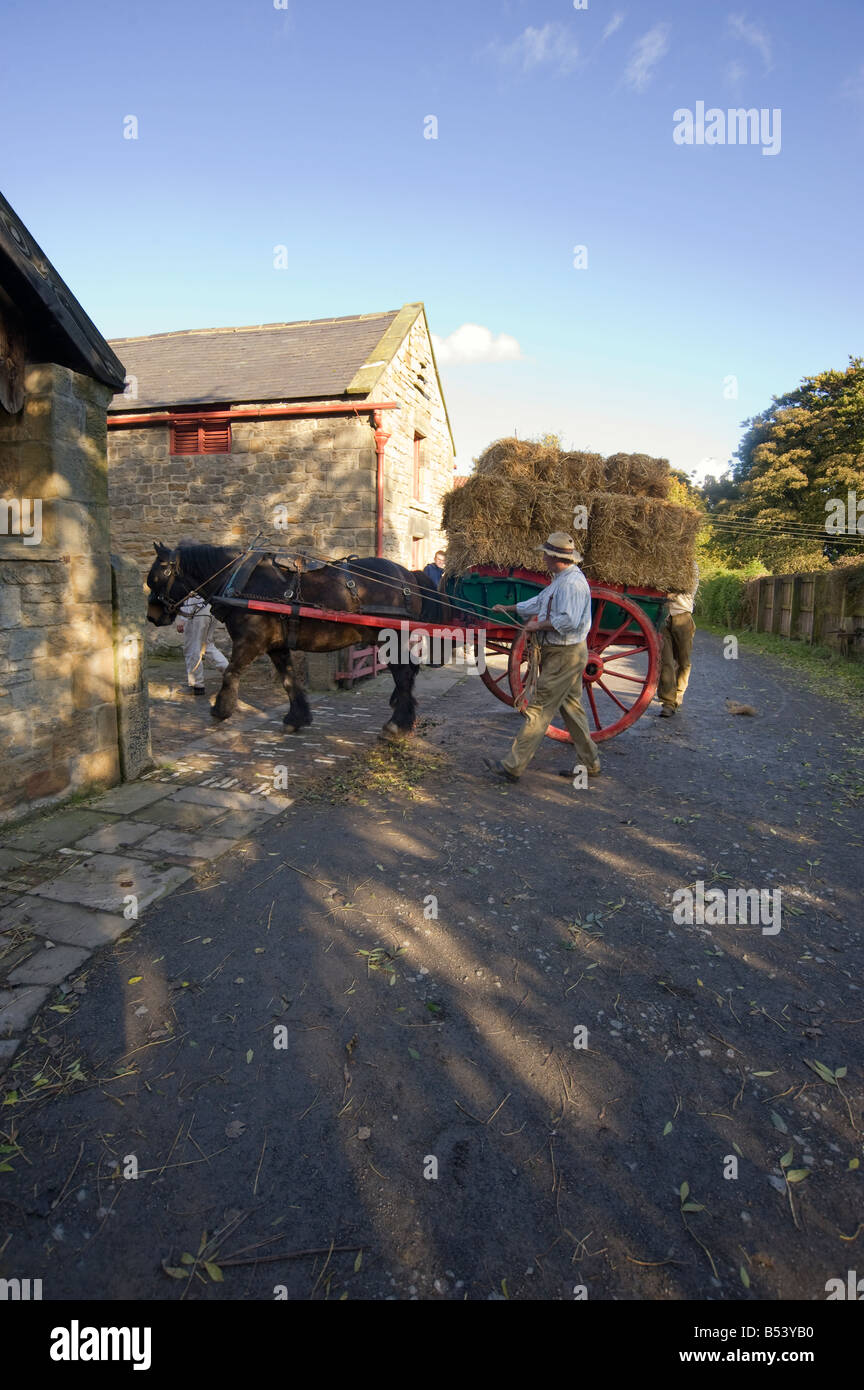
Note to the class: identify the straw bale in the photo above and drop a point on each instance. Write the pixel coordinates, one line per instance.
(637, 475)
(641, 541)
(521, 492)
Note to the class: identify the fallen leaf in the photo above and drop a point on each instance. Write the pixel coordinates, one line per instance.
(235, 1129)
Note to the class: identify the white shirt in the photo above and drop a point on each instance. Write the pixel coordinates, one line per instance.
(194, 606)
(566, 604)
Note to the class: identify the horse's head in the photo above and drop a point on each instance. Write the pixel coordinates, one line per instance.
(167, 587)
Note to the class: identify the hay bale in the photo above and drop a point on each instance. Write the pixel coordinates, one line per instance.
(520, 492)
(637, 475)
(511, 458)
(582, 472)
(520, 460)
(641, 541)
(508, 547)
(502, 521)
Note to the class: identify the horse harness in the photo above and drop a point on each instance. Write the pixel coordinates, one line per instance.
(292, 565)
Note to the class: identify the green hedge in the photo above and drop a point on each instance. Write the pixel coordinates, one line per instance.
(721, 599)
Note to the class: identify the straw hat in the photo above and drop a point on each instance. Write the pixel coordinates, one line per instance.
(561, 546)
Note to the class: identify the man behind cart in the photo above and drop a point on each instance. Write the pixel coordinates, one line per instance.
(676, 655)
(561, 614)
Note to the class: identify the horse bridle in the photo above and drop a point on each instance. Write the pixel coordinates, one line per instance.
(173, 567)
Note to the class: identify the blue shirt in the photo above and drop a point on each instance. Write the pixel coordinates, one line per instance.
(566, 604)
(433, 573)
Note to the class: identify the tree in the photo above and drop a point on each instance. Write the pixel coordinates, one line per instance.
(805, 451)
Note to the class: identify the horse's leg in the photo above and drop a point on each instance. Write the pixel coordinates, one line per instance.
(244, 650)
(299, 714)
(402, 700)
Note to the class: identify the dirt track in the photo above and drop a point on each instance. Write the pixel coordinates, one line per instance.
(556, 1166)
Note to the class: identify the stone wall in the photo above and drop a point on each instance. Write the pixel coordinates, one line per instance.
(314, 476)
(410, 379)
(130, 668)
(58, 721)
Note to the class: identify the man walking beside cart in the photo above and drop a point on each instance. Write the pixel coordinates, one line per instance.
(561, 614)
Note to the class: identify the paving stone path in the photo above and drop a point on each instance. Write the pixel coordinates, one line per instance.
(76, 879)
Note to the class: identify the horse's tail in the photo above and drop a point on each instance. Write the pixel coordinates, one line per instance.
(436, 606)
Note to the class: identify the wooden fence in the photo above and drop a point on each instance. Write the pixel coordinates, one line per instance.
(825, 607)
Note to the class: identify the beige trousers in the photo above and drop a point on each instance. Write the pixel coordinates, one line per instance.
(675, 659)
(558, 688)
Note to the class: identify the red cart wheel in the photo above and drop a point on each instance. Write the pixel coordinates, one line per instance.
(621, 673)
(499, 685)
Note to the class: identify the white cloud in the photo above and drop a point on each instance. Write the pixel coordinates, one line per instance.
(474, 343)
(645, 55)
(551, 46)
(749, 33)
(735, 72)
(612, 27)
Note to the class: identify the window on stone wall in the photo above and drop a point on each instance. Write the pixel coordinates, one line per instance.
(419, 464)
(416, 552)
(200, 436)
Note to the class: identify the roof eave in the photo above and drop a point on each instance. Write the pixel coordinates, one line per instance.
(366, 378)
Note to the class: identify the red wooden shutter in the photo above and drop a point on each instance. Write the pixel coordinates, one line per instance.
(184, 437)
(216, 437)
(201, 437)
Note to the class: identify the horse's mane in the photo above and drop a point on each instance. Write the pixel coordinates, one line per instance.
(201, 562)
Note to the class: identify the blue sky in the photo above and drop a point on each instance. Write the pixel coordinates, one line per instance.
(303, 127)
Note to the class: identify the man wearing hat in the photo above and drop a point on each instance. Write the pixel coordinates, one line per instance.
(561, 613)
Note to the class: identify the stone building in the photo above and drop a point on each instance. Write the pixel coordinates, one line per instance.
(330, 435)
(64, 657)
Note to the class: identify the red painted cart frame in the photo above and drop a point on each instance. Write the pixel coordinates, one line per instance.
(610, 647)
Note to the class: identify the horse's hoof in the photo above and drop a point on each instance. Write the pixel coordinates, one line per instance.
(217, 714)
(393, 733)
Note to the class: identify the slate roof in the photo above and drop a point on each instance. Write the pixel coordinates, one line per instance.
(313, 359)
(56, 326)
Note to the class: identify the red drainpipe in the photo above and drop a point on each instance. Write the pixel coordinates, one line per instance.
(381, 437)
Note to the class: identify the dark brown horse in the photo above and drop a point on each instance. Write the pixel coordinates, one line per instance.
(352, 585)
